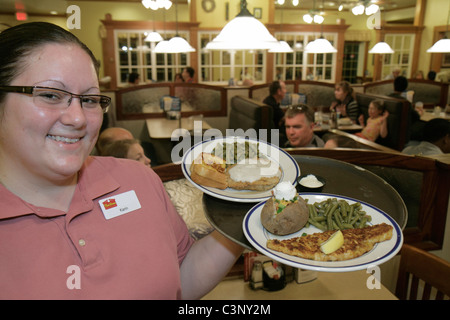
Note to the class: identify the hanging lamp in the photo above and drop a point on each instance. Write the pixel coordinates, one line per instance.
(282, 46)
(381, 47)
(244, 32)
(442, 45)
(320, 45)
(175, 45)
(153, 36)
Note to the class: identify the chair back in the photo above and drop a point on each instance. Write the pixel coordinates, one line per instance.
(420, 272)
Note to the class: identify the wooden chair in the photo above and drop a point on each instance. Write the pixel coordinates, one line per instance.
(421, 265)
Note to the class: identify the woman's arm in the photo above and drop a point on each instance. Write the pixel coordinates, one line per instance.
(206, 263)
(383, 127)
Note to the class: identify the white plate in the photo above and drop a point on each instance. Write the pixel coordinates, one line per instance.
(257, 235)
(290, 170)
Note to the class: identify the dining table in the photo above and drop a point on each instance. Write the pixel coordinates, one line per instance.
(429, 115)
(163, 128)
(163, 132)
(356, 285)
(342, 179)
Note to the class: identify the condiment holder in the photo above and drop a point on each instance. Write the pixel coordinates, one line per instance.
(310, 183)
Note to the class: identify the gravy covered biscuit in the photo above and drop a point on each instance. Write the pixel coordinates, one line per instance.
(254, 174)
(286, 212)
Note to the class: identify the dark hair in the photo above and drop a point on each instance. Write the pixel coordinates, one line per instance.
(400, 84)
(431, 75)
(132, 77)
(436, 129)
(191, 71)
(346, 87)
(292, 111)
(18, 42)
(274, 86)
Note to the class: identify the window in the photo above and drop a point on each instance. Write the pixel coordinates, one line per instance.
(300, 65)
(134, 54)
(403, 46)
(218, 67)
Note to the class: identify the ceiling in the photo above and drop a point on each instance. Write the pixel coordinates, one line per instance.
(334, 4)
(43, 7)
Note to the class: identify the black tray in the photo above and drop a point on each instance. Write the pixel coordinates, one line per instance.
(342, 179)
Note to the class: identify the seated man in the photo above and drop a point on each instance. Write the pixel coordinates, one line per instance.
(436, 136)
(299, 123)
(277, 91)
(416, 125)
(110, 135)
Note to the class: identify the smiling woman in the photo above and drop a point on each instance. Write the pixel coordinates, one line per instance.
(65, 211)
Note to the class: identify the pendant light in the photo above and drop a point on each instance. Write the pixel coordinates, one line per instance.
(443, 45)
(244, 32)
(153, 36)
(320, 45)
(282, 46)
(175, 45)
(381, 47)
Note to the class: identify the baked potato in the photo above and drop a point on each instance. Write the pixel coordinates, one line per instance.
(282, 217)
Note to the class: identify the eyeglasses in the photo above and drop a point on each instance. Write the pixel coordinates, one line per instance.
(57, 98)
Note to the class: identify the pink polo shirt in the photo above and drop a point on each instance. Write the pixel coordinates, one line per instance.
(49, 254)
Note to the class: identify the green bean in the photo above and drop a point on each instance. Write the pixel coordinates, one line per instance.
(337, 219)
(317, 225)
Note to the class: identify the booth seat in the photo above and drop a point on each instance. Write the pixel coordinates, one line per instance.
(398, 122)
(319, 95)
(247, 113)
(431, 93)
(316, 94)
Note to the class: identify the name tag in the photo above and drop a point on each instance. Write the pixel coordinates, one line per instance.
(120, 204)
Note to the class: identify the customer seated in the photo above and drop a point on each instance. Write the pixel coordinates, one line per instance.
(345, 102)
(299, 123)
(416, 125)
(376, 123)
(277, 91)
(127, 149)
(436, 139)
(110, 135)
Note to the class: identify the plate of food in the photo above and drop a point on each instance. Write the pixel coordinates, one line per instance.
(331, 233)
(238, 169)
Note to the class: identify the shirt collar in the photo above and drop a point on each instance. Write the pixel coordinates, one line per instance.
(93, 182)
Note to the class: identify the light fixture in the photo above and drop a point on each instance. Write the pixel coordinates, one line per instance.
(281, 46)
(313, 16)
(381, 48)
(443, 45)
(157, 4)
(244, 32)
(175, 45)
(320, 45)
(358, 9)
(364, 7)
(153, 37)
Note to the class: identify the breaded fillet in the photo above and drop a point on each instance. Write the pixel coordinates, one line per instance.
(356, 243)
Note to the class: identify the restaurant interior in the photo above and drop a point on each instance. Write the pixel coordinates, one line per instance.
(231, 79)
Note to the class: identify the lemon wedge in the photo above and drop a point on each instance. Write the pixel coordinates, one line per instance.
(333, 243)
